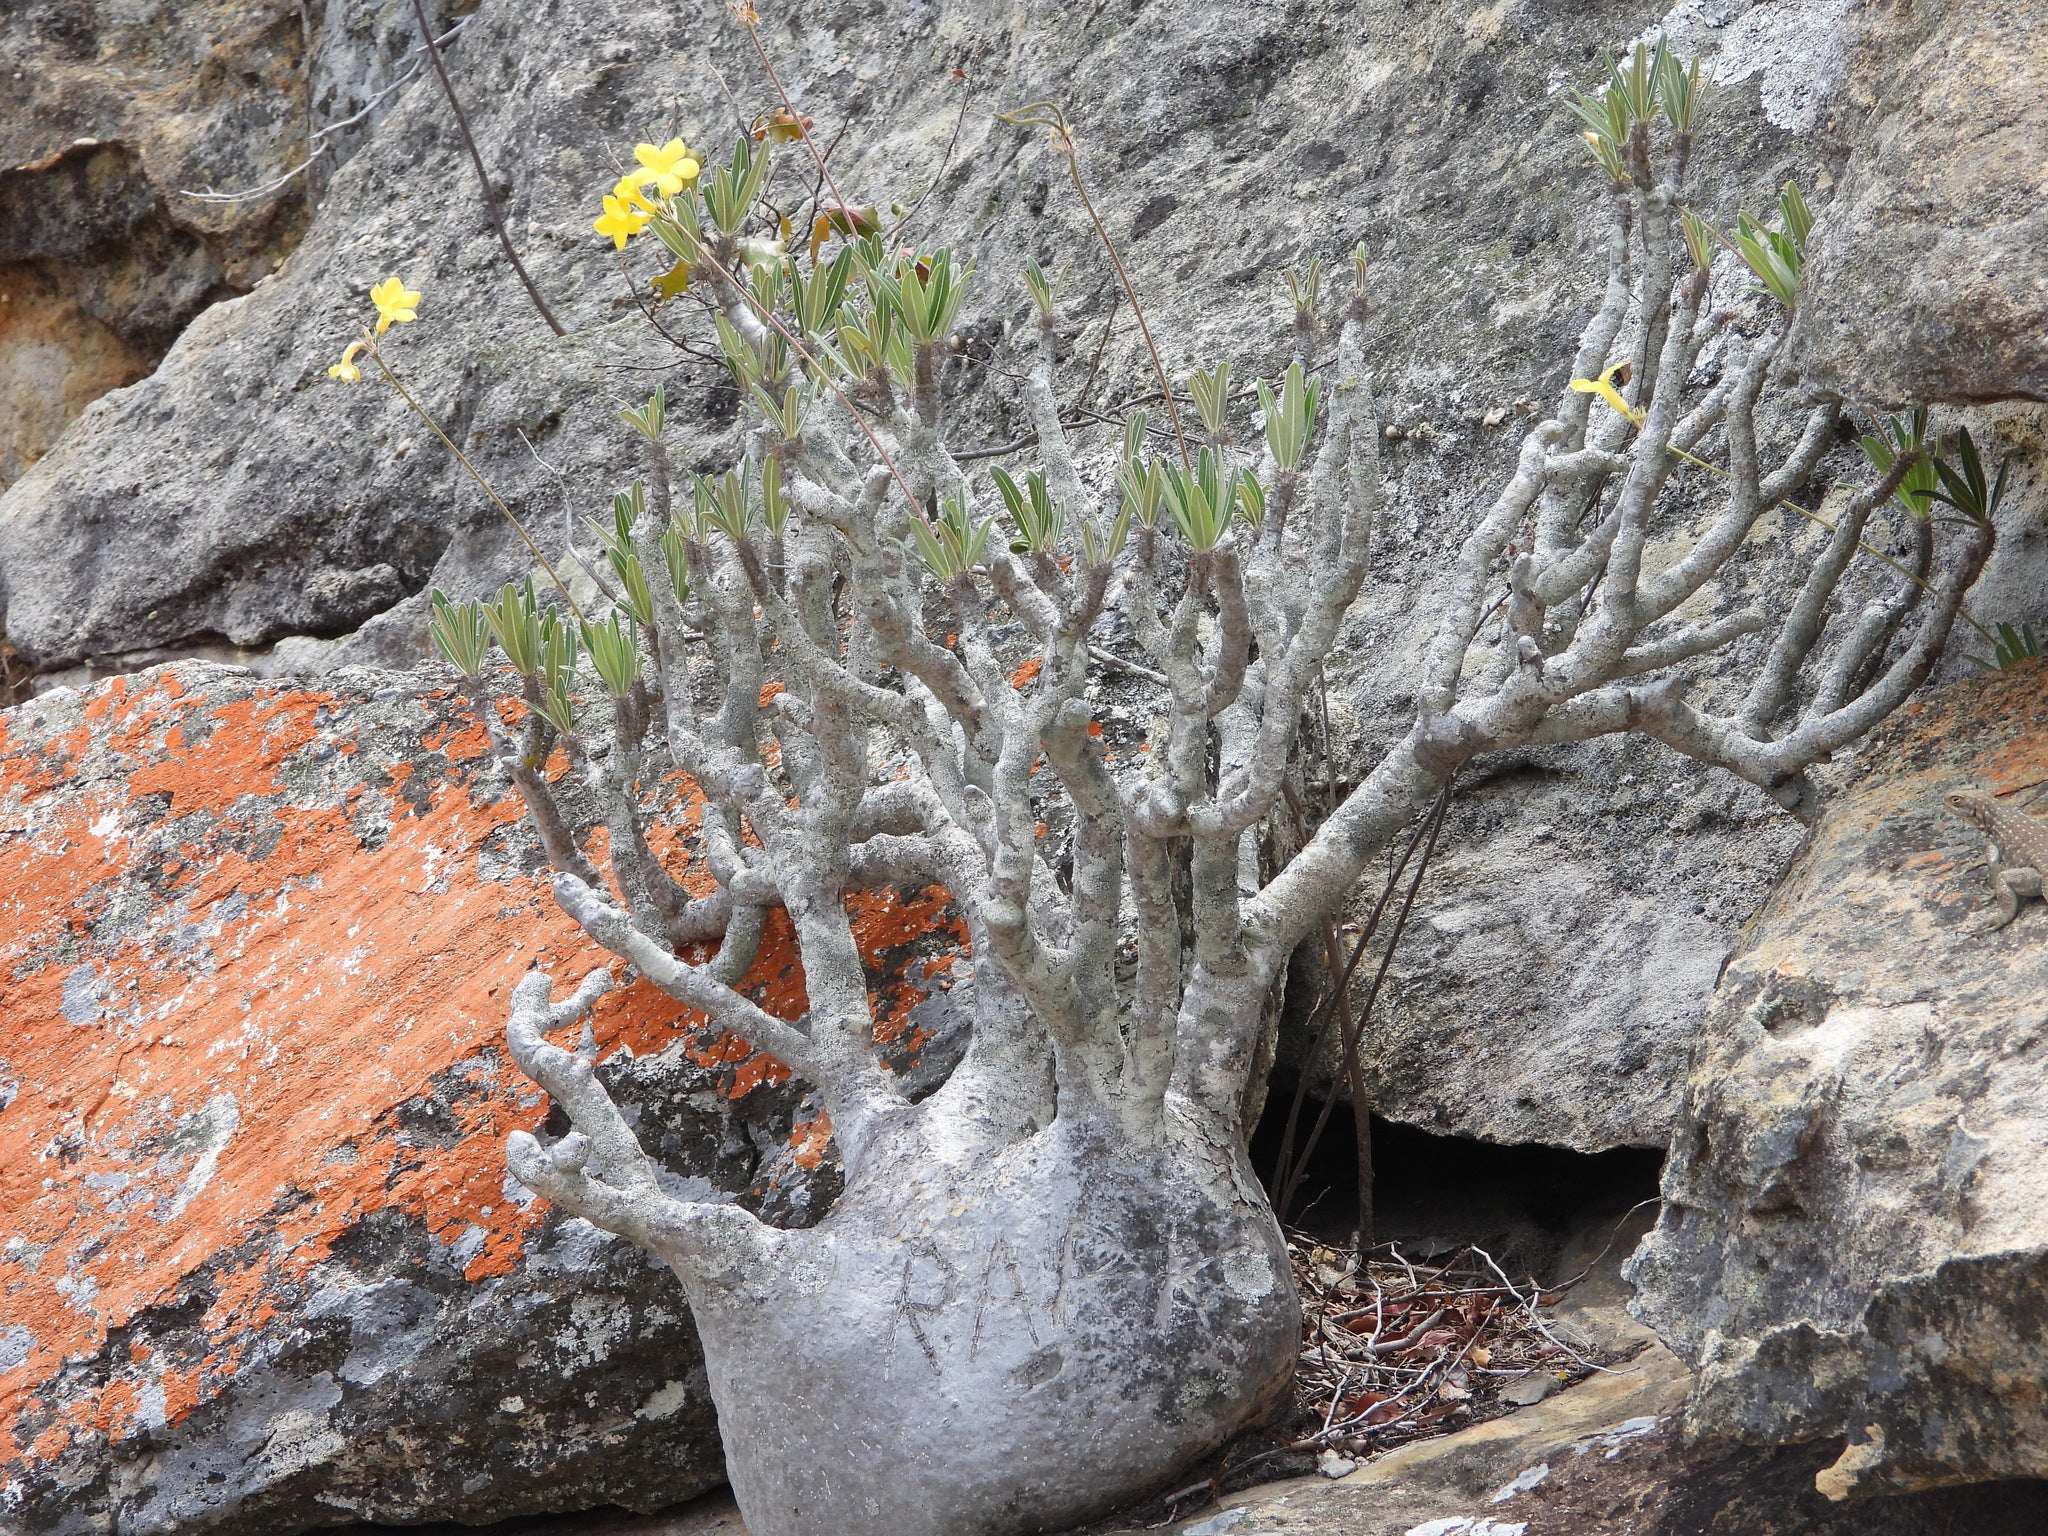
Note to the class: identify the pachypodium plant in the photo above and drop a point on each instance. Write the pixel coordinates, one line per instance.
(1055, 1281)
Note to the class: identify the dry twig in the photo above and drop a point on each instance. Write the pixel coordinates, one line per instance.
(1460, 1333)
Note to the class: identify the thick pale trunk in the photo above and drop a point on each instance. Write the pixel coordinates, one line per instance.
(1003, 1343)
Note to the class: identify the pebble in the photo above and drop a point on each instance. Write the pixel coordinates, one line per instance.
(1527, 1478)
(1533, 1388)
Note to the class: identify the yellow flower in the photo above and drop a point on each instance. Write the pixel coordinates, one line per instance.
(628, 192)
(669, 166)
(1604, 388)
(620, 220)
(346, 370)
(395, 303)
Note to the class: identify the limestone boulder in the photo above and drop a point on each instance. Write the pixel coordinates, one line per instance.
(113, 118)
(1853, 1242)
(1927, 280)
(261, 1265)
(238, 500)
(1562, 948)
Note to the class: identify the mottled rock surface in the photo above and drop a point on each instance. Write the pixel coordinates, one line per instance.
(1561, 948)
(1927, 280)
(1854, 1242)
(261, 1266)
(238, 498)
(109, 115)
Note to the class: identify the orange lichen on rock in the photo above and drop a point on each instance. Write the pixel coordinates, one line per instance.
(807, 1141)
(245, 926)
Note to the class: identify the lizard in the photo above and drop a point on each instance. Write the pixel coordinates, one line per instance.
(2018, 851)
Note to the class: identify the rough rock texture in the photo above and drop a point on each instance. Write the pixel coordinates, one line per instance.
(237, 497)
(1854, 1242)
(262, 1267)
(1433, 134)
(1223, 143)
(111, 113)
(1926, 281)
(1562, 947)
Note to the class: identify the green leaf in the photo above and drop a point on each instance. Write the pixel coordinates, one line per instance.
(1777, 256)
(817, 299)
(872, 341)
(675, 556)
(1772, 256)
(1134, 434)
(1202, 502)
(731, 191)
(1795, 215)
(1700, 239)
(1680, 90)
(1917, 490)
(954, 543)
(616, 537)
(2010, 647)
(726, 503)
(1635, 82)
(1210, 388)
(1039, 519)
(1251, 502)
(1964, 485)
(788, 414)
(514, 622)
(557, 671)
(615, 653)
(1605, 115)
(1290, 416)
(648, 419)
(1305, 289)
(1039, 286)
(460, 633)
(1102, 549)
(1144, 490)
(925, 295)
(1608, 155)
(678, 227)
(633, 590)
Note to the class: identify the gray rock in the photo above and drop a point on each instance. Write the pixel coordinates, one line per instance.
(1853, 1242)
(238, 498)
(1926, 281)
(1528, 1390)
(168, 518)
(112, 116)
(1563, 944)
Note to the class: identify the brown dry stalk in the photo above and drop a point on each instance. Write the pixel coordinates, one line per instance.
(1392, 1353)
(1048, 115)
(483, 179)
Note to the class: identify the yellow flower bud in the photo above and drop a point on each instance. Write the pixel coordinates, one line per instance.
(346, 370)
